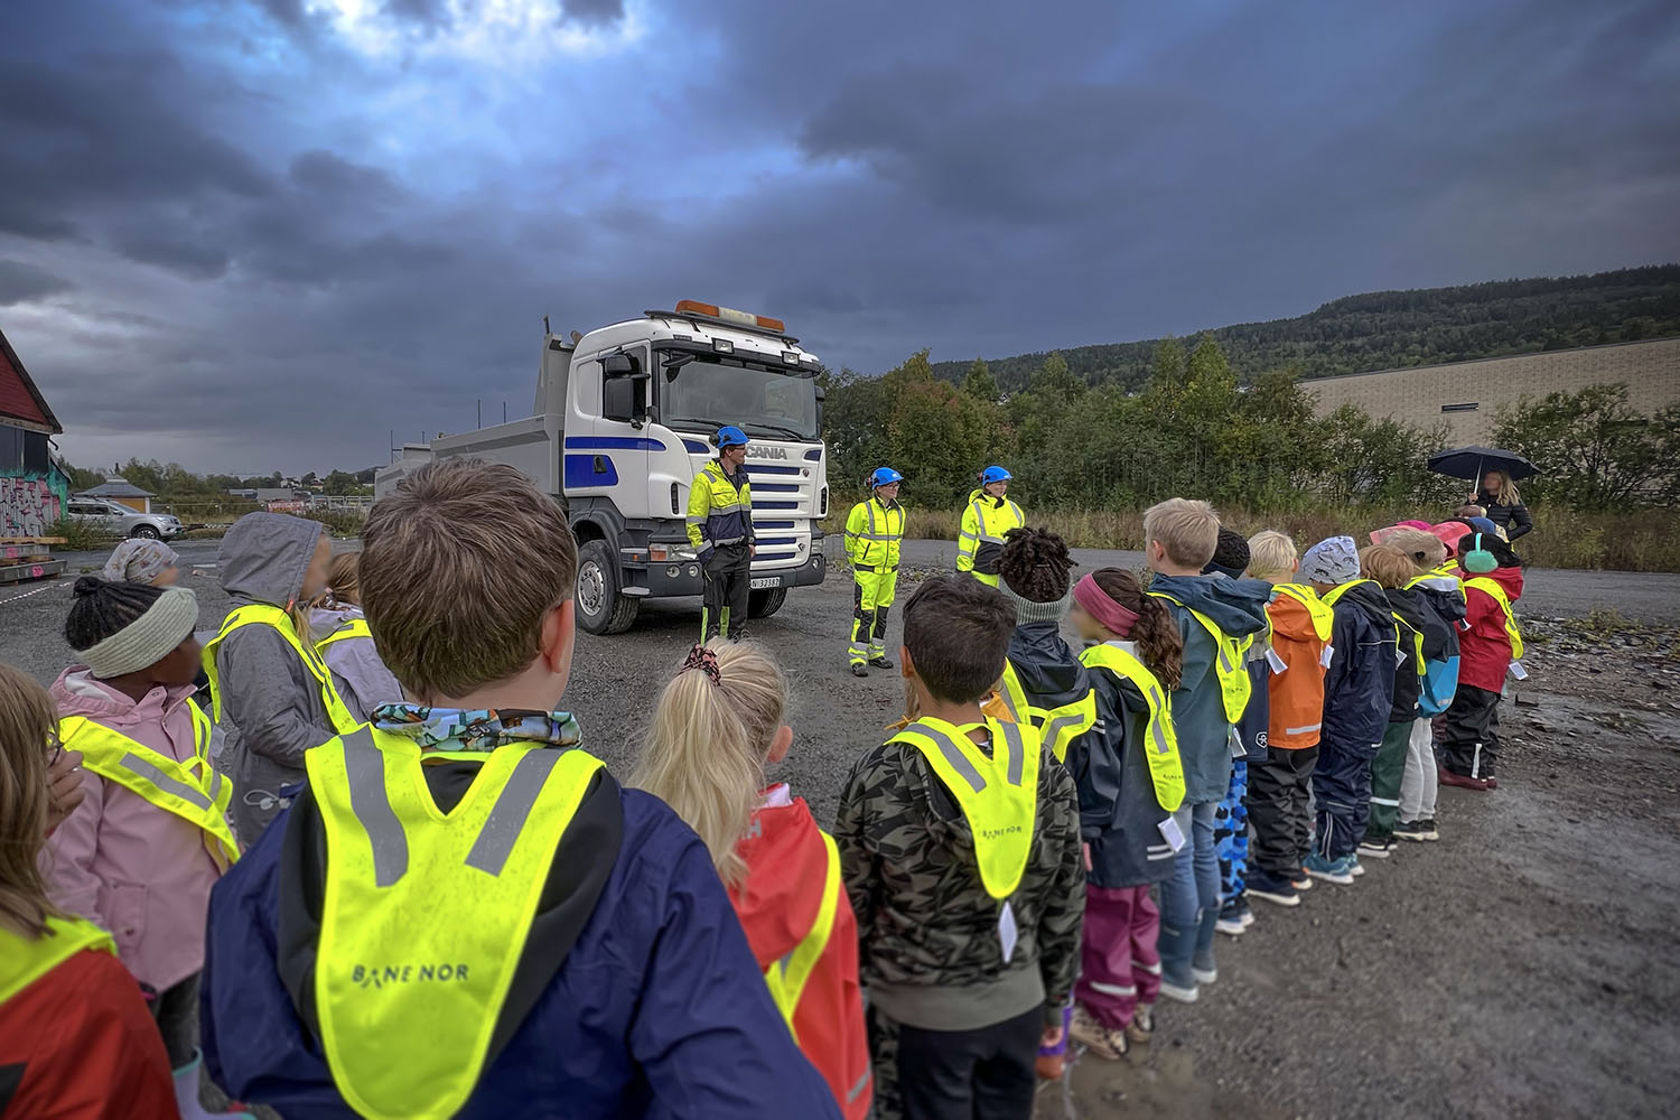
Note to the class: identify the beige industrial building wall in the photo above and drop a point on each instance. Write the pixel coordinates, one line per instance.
(1467, 396)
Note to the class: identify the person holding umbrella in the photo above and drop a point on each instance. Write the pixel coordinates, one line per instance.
(1496, 472)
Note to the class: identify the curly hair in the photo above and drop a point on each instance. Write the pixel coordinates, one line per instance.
(1160, 646)
(103, 607)
(1035, 564)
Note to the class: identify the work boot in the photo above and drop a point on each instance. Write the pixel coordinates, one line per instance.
(882, 662)
(858, 670)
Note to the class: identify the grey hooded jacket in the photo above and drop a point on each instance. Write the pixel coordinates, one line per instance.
(271, 704)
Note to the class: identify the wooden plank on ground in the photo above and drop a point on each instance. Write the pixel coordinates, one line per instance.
(40, 569)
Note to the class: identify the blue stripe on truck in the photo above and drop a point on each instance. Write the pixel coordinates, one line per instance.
(581, 472)
(613, 443)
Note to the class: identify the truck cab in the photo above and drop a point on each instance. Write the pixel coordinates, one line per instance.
(623, 421)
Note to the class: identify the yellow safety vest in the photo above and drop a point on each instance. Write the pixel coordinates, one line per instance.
(1057, 727)
(24, 960)
(1492, 588)
(719, 513)
(261, 614)
(1322, 614)
(193, 791)
(788, 976)
(1234, 686)
(873, 533)
(352, 628)
(991, 522)
(1166, 767)
(998, 795)
(425, 914)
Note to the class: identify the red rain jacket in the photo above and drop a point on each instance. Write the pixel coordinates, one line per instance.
(1484, 650)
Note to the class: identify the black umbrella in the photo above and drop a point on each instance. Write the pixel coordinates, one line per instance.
(1473, 462)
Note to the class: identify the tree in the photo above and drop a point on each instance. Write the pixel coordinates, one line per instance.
(980, 384)
(340, 483)
(1594, 450)
(1056, 381)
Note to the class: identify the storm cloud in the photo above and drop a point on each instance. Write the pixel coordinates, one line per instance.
(266, 234)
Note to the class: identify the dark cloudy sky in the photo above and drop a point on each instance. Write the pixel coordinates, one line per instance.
(258, 234)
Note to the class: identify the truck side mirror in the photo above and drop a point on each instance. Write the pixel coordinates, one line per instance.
(617, 365)
(618, 399)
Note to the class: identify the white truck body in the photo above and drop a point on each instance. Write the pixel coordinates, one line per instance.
(621, 424)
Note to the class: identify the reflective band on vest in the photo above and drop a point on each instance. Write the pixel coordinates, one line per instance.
(1057, 727)
(1234, 686)
(261, 614)
(1166, 768)
(787, 977)
(1497, 593)
(352, 628)
(424, 915)
(998, 795)
(1322, 615)
(24, 960)
(193, 791)
(979, 550)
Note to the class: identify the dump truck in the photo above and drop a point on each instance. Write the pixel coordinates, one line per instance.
(623, 421)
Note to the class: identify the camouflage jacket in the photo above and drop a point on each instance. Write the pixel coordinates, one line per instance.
(930, 947)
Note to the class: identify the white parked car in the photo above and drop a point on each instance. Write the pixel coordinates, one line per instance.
(120, 519)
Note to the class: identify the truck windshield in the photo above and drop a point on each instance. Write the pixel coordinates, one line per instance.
(762, 403)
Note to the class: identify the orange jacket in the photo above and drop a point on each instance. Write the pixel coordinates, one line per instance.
(1297, 693)
(786, 868)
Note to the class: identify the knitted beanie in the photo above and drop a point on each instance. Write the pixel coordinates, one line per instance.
(1028, 610)
(148, 639)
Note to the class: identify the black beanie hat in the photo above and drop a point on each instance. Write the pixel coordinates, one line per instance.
(1230, 555)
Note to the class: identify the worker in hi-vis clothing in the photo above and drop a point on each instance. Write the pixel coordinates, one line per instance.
(873, 530)
(990, 515)
(721, 530)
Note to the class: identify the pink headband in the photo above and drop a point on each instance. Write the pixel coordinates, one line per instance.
(1099, 606)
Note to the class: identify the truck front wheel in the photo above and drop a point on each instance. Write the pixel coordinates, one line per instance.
(601, 607)
(763, 604)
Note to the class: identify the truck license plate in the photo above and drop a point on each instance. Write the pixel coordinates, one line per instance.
(764, 582)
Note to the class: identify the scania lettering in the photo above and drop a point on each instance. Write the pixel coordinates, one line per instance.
(622, 423)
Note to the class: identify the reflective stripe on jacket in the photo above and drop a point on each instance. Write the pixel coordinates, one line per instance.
(873, 533)
(261, 614)
(719, 511)
(984, 524)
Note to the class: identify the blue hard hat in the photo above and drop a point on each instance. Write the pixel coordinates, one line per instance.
(993, 474)
(884, 476)
(730, 436)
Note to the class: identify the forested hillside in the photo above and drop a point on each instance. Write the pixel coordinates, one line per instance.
(1382, 330)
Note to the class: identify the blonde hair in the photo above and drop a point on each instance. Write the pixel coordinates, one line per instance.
(1271, 553)
(1188, 530)
(27, 720)
(1425, 550)
(1507, 494)
(343, 579)
(463, 565)
(1386, 564)
(705, 754)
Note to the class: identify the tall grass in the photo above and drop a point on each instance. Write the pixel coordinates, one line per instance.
(1639, 541)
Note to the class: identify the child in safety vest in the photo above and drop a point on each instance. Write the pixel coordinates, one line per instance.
(1280, 784)
(1131, 793)
(719, 723)
(75, 1039)
(1043, 680)
(150, 839)
(462, 914)
(273, 696)
(345, 643)
(960, 848)
(1442, 596)
(1217, 619)
(1358, 696)
(1489, 649)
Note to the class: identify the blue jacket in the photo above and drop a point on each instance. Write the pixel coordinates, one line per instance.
(658, 1011)
(1237, 607)
(1359, 686)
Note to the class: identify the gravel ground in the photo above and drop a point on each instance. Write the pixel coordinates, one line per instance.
(1523, 966)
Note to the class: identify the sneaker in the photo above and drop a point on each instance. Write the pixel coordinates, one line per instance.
(1412, 830)
(1105, 1042)
(1280, 892)
(1464, 781)
(1142, 1026)
(1301, 881)
(1247, 912)
(1376, 849)
(858, 670)
(1230, 920)
(1173, 991)
(1430, 830)
(1205, 975)
(1492, 782)
(882, 662)
(1331, 871)
(1355, 868)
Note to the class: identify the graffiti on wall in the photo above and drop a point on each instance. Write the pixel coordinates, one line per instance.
(28, 507)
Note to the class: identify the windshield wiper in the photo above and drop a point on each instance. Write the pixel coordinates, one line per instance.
(778, 428)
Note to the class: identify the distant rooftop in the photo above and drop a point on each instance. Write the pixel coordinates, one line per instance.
(117, 488)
